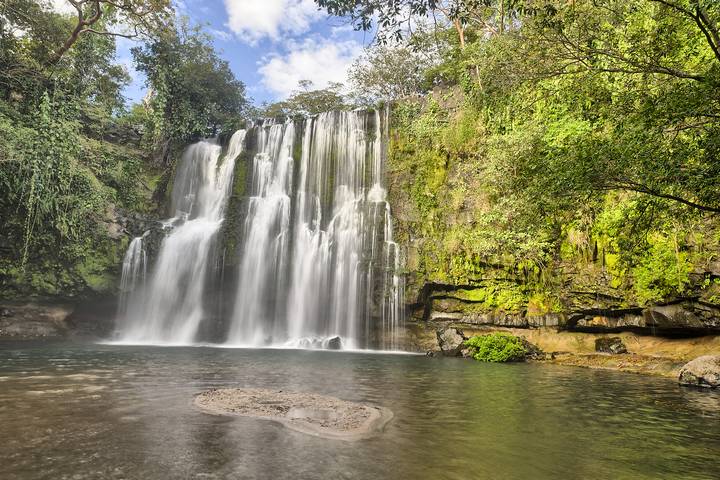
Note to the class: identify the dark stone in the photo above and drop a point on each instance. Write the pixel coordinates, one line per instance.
(532, 351)
(451, 341)
(612, 345)
(671, 317)
(6, 312)
(702, 372)
(334, 343)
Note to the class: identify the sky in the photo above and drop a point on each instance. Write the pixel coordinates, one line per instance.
(270, 44)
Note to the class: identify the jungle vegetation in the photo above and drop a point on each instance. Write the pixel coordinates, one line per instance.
(531, 136)
(73, 155)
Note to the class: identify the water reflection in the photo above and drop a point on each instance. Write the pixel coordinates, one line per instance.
(85, 411)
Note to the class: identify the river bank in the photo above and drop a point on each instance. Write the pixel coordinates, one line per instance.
(646, 354)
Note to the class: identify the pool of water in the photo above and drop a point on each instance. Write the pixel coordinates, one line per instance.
(101, 411)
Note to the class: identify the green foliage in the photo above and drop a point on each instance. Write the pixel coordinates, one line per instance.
(386, 73)
(578, 141)
(71, 158)
(464, 227)
(306, 101)
(663, 271)
(496, 347)
(48, 173)
(194, 92)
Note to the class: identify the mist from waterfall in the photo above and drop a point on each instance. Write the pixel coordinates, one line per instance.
(317, 265)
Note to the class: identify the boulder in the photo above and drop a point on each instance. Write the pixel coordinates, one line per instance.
(334, 343)
(451, 341)
(702, 372)
(612, 345)
(532, 351)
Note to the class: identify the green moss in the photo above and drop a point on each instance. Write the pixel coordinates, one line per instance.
(232, 224)
(543, 303)
(495, 296)
(240, 175)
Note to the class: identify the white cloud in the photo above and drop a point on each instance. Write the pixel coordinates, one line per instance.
(320, 60)
(253, 20)
(342, 30)
(220, 34)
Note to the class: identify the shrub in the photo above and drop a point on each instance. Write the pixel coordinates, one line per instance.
(496, 347)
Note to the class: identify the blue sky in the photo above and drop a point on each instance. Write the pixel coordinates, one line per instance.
(270, 44)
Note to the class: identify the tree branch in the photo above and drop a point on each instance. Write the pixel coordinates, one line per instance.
(79, 27)
(639, 188)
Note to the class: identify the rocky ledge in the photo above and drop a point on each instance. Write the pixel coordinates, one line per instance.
(309, 413)
(34, 320)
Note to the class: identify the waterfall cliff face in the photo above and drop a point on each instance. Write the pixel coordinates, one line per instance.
(317, 265)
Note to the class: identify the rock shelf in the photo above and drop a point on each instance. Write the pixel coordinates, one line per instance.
(309, 413)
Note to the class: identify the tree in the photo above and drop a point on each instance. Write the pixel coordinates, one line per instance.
(193, 92)
(394, 19)
(619, 96)
(140, 16)
(387, 72)
(88, 73)
(306, 101)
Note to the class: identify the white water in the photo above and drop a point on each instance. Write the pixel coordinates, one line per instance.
(134, 272)
(325, 285)
(317, 255)
(169, 308)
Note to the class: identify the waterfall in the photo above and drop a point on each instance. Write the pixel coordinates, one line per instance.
(311, 251)
(169, 308)
(134, 272)
(317, 265)
(266, 231)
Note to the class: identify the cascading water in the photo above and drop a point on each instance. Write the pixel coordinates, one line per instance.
(169, 308)
(266, 235)
(134, 272)
(312, 255)
(318, 266)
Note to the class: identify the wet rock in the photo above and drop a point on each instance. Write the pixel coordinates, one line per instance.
(613, 345)
(547, 320)
(532, 351)
(448, 305)
(445, 316)
(607, 322)
(451, 341)
(702, 372)
(334, 343)
(671, 316)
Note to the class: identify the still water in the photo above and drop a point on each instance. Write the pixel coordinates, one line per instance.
(98, 411)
